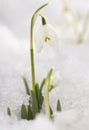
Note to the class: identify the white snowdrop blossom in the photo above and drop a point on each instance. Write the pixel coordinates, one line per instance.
(55, 79)
(46, 35)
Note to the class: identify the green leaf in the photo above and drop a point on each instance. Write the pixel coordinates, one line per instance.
(58, 105)
(29, 112)
(41, 101)
(39, 97)
(51, 111)
(9, 111)
(23, 112)
(34, 104)
(51, 88)
(26, 85)
(50, 73)
(42, 84)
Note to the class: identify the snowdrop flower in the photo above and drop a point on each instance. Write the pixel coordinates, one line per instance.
(46, 35)
(70, 17)
(55, 78)
(52, 80)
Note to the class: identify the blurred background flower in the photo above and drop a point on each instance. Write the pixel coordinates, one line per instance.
(16, 14)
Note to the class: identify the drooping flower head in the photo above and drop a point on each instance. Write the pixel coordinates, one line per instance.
(55, 79)
(46, 35)
(52, 79)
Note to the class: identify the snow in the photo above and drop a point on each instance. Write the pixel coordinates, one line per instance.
(72, 61)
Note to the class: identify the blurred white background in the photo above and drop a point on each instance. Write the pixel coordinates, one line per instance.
(16, 14)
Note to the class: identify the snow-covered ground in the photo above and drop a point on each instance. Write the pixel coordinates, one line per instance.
(72, 61)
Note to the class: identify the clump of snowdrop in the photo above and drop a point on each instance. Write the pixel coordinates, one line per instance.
(45, 35)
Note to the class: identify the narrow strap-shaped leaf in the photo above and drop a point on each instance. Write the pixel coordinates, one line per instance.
(26, 85)
(9, 111)
(41, 101)
(29, 112)
(58, 105)
(23, 112)
(42, 84)
(34, 104)
(39, 97)
(51, 87)
(51, 111)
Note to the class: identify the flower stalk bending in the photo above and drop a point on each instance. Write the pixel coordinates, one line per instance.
(34, 17)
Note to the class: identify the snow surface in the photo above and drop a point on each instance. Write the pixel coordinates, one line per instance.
(72, 61)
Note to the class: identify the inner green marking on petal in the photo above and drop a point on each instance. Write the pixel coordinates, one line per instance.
(46, 39)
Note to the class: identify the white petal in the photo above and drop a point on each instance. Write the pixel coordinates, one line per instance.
(46, 31)
(55, 79)
(39, 39)
(54, 38)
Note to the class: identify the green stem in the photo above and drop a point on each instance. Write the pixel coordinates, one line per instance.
(46, 93)
(47, 104)
(34, 17)
(32, 69)
(32, 56)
